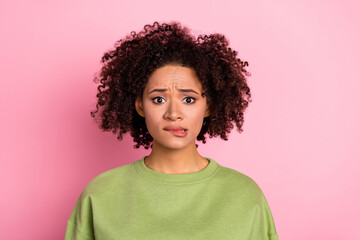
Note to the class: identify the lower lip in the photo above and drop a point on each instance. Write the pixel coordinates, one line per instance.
(178, 133)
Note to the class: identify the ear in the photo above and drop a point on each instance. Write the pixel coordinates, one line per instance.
(139, 107)
(207, 111)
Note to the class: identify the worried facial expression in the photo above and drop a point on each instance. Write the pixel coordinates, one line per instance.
(174, 106)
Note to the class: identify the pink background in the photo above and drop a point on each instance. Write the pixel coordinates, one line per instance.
(301, 134)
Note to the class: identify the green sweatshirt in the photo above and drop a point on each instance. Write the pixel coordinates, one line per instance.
(134, 202)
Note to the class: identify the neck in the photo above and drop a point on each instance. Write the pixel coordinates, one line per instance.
(177, 161)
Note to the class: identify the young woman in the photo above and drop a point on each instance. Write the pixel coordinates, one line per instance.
(168, 89)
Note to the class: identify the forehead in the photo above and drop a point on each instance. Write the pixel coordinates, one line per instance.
(174, 76)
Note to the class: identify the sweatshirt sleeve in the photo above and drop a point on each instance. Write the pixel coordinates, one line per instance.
(263, 226)
(80, 223)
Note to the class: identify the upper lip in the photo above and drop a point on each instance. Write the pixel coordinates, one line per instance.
(174, 128)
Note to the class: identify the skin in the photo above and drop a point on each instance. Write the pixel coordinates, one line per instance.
(172, 107)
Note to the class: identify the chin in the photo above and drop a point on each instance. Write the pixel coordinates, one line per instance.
(173, 145)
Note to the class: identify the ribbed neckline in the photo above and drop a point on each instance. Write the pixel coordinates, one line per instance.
(148, 173)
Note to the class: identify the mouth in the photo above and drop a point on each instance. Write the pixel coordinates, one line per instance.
(183, 130)
(177, 131)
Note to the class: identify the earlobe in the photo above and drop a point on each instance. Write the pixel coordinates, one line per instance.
(139, 107)
(207, 112)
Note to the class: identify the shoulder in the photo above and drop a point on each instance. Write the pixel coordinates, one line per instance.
(237, 177)
(239, 183)
(97, 192)
(109, 180)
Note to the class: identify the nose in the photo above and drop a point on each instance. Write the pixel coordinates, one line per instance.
(173, 111)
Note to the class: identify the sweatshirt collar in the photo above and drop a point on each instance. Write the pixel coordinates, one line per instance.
(185, 178)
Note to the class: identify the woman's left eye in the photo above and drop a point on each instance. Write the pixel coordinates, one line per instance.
(189, 100)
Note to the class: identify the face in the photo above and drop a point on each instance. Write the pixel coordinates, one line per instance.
(174, 106)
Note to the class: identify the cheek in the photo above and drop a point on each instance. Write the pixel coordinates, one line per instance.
(150, 121)
(152, 117)
(197, 118)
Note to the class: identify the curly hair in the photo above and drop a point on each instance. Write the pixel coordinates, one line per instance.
(127, 68)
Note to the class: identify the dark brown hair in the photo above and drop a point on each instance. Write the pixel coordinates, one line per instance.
(126, 70)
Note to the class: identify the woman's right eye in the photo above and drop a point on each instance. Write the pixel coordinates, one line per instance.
(157, 99)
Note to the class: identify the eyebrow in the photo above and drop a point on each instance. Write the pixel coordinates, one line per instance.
(181, 90)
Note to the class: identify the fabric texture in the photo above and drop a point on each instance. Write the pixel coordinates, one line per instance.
(135, 202)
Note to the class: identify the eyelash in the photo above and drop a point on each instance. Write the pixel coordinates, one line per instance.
(163, 98)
